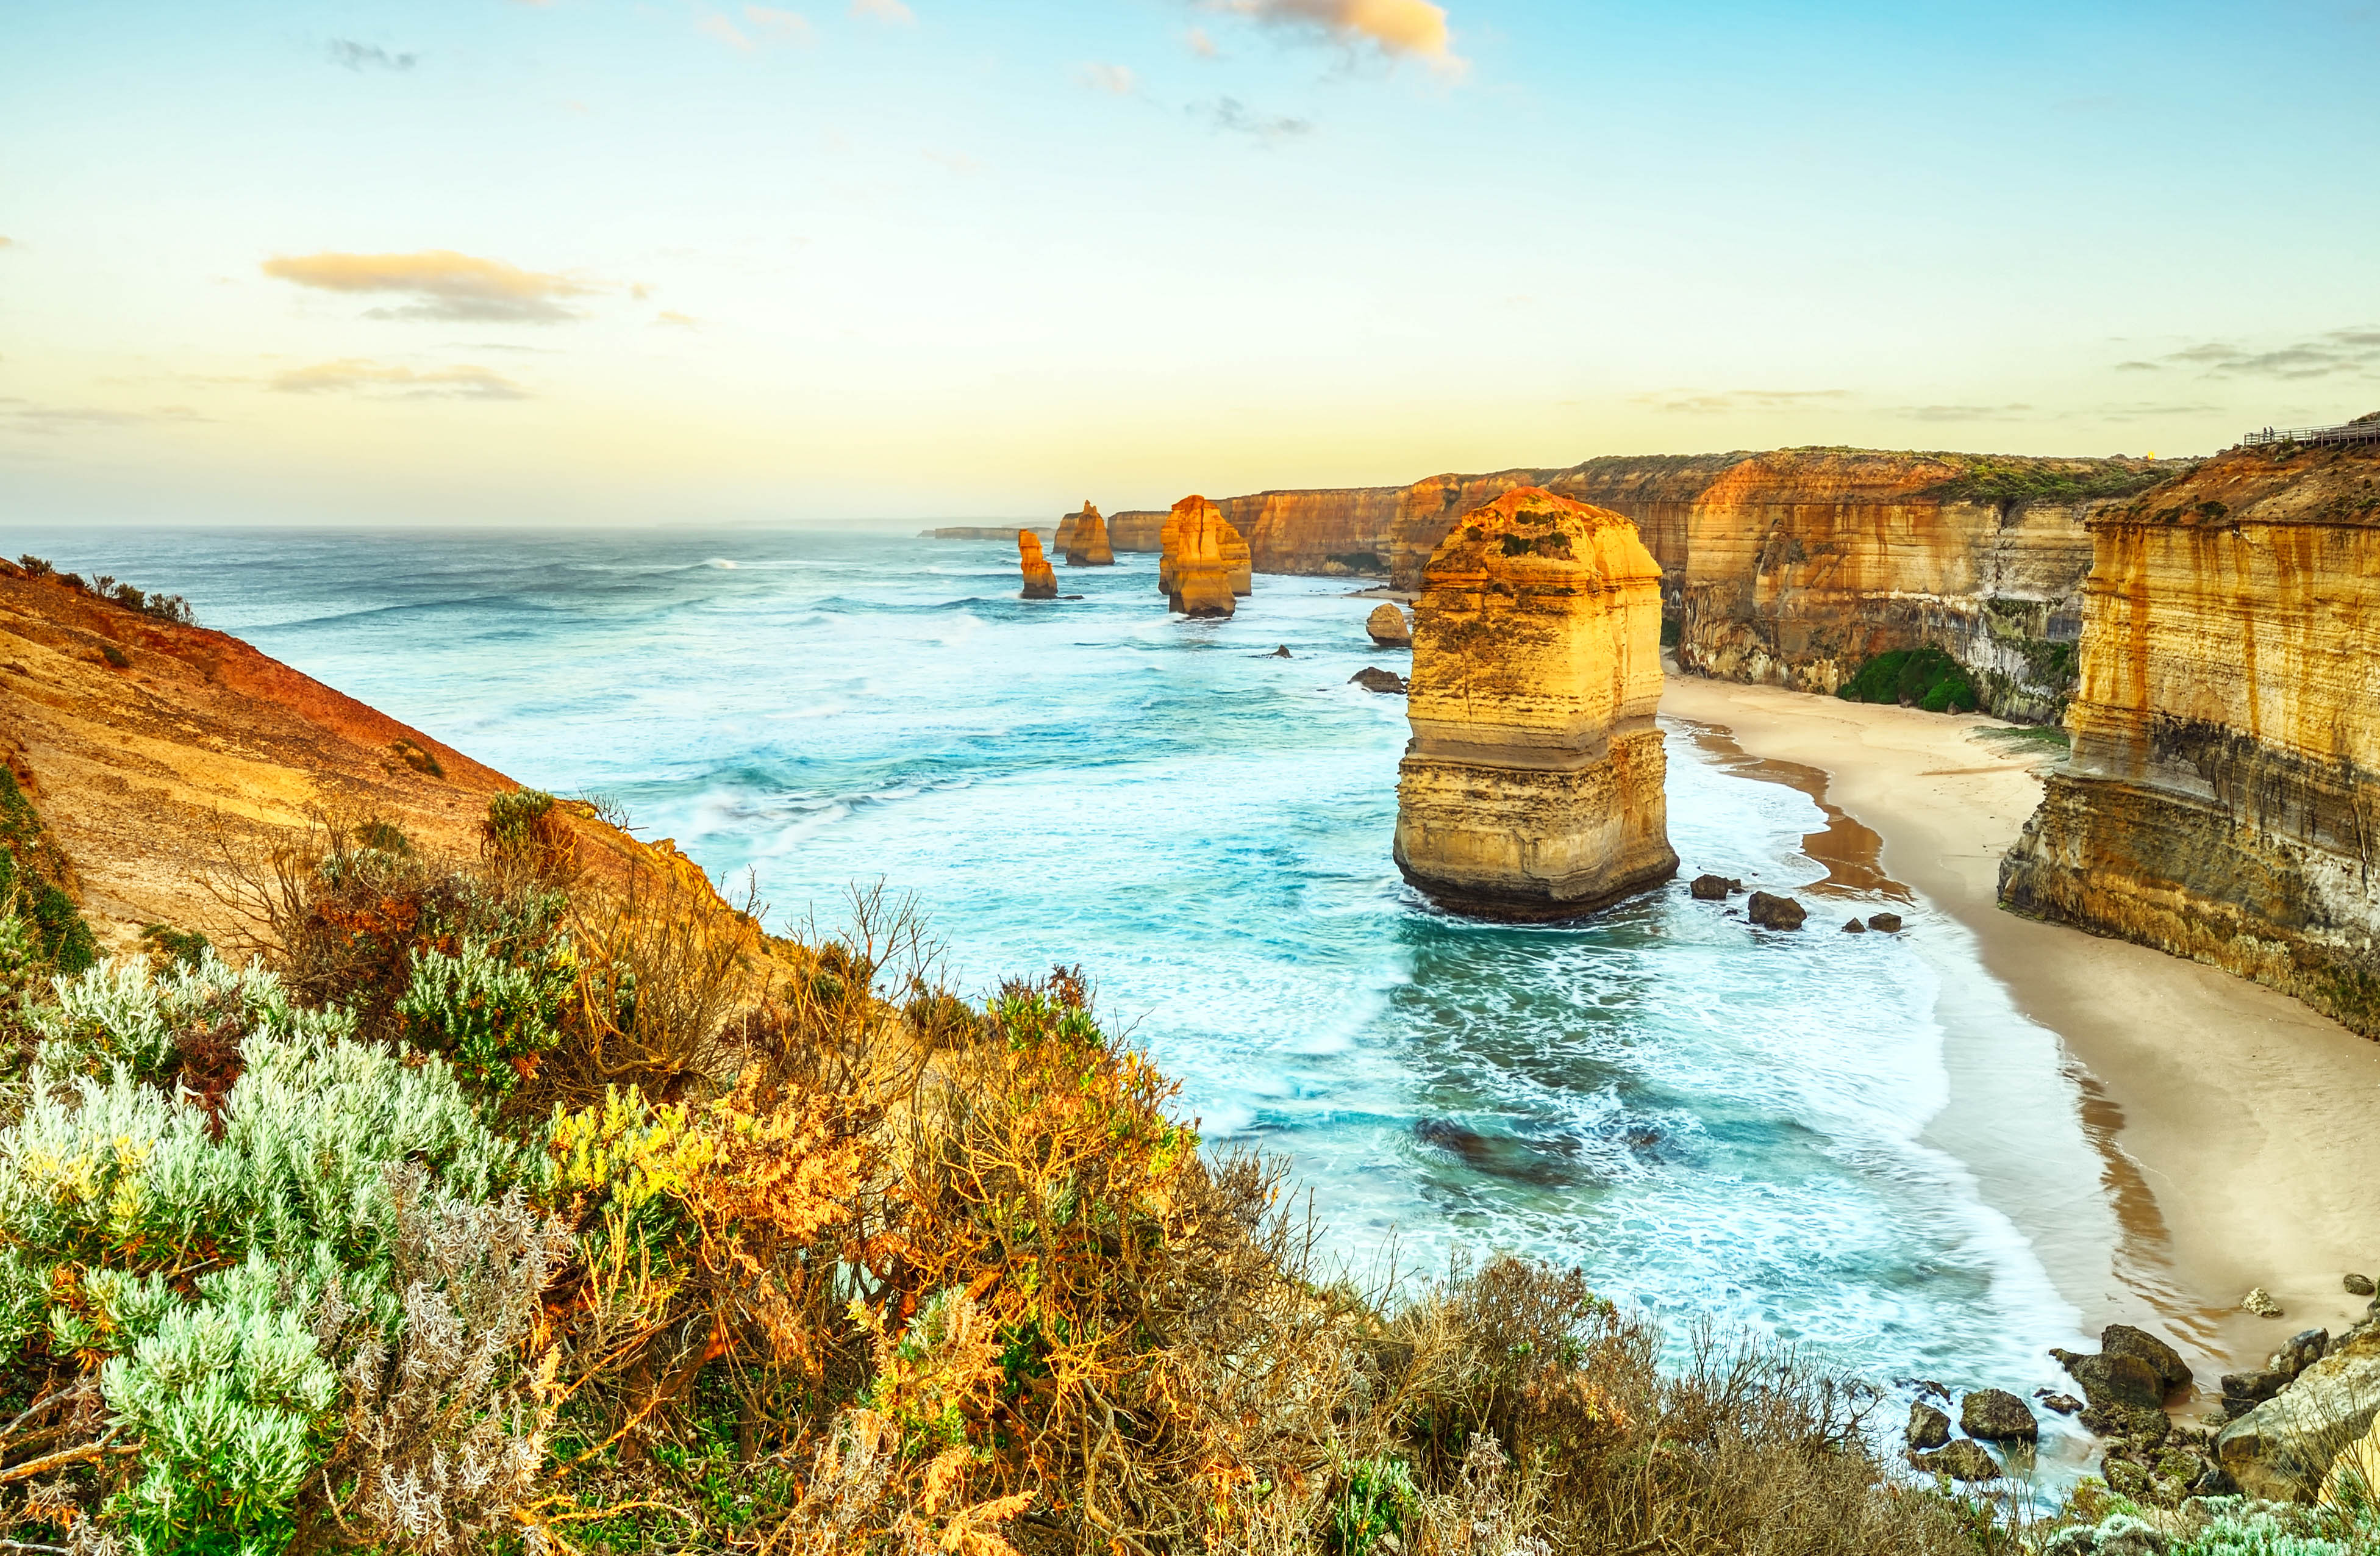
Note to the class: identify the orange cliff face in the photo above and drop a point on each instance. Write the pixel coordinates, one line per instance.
(1040, 578)
(1083, 539)
(163, 777)
(1193, 571)
(1533, 785)
(2223, 798)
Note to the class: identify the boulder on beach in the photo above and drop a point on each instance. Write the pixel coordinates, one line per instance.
(2284, 1448)
(1040, 578)
(1929, 1427)
(1388, 628)
(2113, 1379)
(2259, 1302)
(1885, 923)
(2357, 1285)
(2300, 1351)
(1771, 912)
(1962, 1460)
(1372, 679)
(2141, 1425)
(1996, 1416)
(2064, 1404)
(2125, 1340)
(1713, 888)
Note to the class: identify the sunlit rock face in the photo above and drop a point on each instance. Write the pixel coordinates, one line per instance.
(1083, 540)
(1532, 786)
(1063, 541)
(2223, 798)
(1237, 567)
(1040, 579)
(1192, 571)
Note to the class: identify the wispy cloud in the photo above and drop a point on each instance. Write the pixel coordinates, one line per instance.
(367, 378)
(676, 320)
(26, 417)
(2337, 353)
(790, 26)
(367, 56)
(2014, 412)
(1410, 27)
(1229, 114)
(1727, 402)
(440, 283)
(1197, 42)
(889, 11)
(1116, 79)
(7, 243)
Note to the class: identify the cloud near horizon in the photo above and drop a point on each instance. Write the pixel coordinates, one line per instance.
(1116, 79)
(2354, 351)
(1727, 401)
(441, 283)
(368, 57)
(892, 11)
(367, 379)
(1394, 26)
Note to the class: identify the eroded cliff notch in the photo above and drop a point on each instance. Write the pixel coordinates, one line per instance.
(1195, 570)
(1532, 787)
(1040, 578)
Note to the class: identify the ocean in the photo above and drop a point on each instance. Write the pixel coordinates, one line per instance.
(1708, 1120)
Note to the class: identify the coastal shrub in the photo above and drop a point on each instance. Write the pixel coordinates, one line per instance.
(492, 1018)
(1925, 677)
(164, 607)
(32, 873)
(1984, 479)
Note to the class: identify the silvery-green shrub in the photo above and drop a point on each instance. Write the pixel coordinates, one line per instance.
(488, 1014)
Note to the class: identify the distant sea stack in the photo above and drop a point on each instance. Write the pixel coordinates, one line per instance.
(1532, 786)
(1196, 579)
(1063, 541)
(1040, 578)
(2223, 798)
(1083, 537)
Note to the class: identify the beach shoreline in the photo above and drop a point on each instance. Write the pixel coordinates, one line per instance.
(2227, 1116)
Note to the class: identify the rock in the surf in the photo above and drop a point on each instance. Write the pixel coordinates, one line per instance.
(2172, 1371)
(1373, 679)
(1713, 888)
(1280, 653)
(1083, 537)
(2064, 1404)
(1996, 1416)
(1885, 923)
(1853, 927)
(1929, 1427)
(1533, 784)
(1962, 1460)
(1040, 578)
(2114, 1379)
(2357, 1285)
(1192, 571)
(1771, 912)
(1388, 628)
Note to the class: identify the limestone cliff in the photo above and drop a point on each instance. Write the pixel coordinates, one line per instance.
(1083, 537)
(1063, 543)
(1194, 572)
(1238, 565)
(163, 777)
(2223, 798)
(1040, 578)
(1532, 787)
(1140, 529)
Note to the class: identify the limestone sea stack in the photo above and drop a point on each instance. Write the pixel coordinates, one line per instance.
(1532, 786)
(1040, 578)
(1196, 579)
(1083, 539)
(1237, 565)
(1063, 543)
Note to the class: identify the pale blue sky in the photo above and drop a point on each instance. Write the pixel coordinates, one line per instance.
(693, 261)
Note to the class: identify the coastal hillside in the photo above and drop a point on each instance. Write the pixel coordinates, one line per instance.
(1793, 567)
(2221, 801)
(160, 753)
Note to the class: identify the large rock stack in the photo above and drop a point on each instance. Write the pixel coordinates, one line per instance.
(1196, 579)
(1532, 786)
(1040, 578)
(1083, 537)
(1063, 540)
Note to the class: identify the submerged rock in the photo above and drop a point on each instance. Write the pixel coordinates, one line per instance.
(1713, 888)
(1771, 912)
(1372, 679)
(1040, 579)
(1533, 784)
(1929, 1427)
(1962, 1460)
(1388, 628)
(1280, 653)
(1996, 1416)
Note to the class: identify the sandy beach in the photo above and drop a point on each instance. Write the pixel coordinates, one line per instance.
(2230, 1120)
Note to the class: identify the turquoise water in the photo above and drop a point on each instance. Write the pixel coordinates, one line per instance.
(1707, 1119)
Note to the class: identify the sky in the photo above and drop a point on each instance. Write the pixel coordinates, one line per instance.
(683, 262)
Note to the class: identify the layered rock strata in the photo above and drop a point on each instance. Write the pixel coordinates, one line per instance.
(1063, 543)
(2222, 801)
(1040, 578)
(1086, 543)
(1532, 787)
(1192, 571)
(1237, 565)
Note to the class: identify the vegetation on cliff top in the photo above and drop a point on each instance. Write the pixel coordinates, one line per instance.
(2010, 478)
(164, 607)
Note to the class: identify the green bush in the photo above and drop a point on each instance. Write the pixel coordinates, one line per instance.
(491, 1017)
(30, 868)
(1925, 678)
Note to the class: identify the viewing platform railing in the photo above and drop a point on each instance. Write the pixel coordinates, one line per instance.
(2352, 432)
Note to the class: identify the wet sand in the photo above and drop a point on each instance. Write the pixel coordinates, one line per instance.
(2230, 1121)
